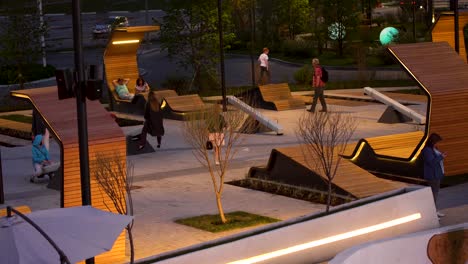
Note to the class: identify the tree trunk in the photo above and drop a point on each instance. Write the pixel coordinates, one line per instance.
(132, 246)
(220, 209)
(329, 196)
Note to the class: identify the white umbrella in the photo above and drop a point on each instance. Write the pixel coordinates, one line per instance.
(80, 232)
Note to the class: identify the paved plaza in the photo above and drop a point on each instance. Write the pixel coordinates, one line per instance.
(174, 185)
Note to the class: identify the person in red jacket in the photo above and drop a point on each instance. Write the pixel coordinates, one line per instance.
(319, 85)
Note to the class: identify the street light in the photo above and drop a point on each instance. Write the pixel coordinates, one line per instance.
(221, 54)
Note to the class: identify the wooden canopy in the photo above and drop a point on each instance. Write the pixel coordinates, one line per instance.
(443, 76)
(104, 138)
(120, 56)
(444, 30)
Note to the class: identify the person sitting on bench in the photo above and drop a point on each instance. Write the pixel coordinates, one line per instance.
(122, 90)
(40, 157)
(141, 86)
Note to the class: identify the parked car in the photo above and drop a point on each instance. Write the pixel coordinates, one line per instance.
(103, 29)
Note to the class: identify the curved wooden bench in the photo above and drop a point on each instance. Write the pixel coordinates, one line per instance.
(278, 97)
(450, 247)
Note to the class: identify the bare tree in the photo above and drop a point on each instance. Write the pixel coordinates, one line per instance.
(224, 128)
(115, 178)
(325, 136)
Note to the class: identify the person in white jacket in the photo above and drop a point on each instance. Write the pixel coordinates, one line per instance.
(264, 66)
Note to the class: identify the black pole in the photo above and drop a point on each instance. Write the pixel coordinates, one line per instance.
(2, 194)
(221, 54)
(63, 257)
(456, 29)
(252, 41)
(81, 108)
(414, 22)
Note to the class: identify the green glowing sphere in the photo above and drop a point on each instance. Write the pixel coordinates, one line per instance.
(388, 35)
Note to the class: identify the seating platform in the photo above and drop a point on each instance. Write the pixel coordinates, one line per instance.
(290, 165)
(178, 106)
(278, 97)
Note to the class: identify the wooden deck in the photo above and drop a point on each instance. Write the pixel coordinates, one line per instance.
(280, 98)
(350, 178)
(443, 76)
(104, 138)
(443, 30)
(397, 145)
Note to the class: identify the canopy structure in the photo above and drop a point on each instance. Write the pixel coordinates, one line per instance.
(104, 138)
(444, 30)
(443, 76)
(120, 57)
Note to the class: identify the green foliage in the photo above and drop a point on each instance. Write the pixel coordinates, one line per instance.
(18, 118)
(9, 74)
(298, 48)
(180, 84)
(303, 75)
(20, 38)
(211, 223)
(189, 34)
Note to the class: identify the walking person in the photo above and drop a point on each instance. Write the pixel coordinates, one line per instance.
(153, 121)
(319, 86)
(216, 126)
(264, 66)
(434, 165)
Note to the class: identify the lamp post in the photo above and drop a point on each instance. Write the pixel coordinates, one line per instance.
(221, 54)
(252, 41)
(456, 28)
(81, 108)
(41, 24)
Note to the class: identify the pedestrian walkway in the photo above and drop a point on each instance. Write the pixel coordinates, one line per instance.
(170, 183)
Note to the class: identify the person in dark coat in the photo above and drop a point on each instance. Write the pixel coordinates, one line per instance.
(433, 165)
(153, 121)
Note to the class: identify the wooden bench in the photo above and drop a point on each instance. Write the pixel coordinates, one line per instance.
(278, 97)
(22, 209)
(450, 247)
(177, 106)
(397, 145)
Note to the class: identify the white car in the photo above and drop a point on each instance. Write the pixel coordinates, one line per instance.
(102, 29)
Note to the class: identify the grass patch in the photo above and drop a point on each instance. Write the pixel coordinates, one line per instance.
(236, 220)
(310, 194)
(18, 118)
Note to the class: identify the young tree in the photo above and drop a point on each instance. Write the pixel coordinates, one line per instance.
(340, 16)
(223, 128)
(115, 179)
(325, 136)
(189, 33)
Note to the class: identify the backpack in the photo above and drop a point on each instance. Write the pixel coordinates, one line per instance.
(324, 75)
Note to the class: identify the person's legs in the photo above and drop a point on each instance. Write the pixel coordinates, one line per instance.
(322, 101)
(314, 101)
(435, 186)
(263, 71)
(216, 153)
(37, 171)
(46, 139)
(143, 134)
(159, 141)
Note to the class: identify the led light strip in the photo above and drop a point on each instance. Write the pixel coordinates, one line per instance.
(329, 239)
(125, 41)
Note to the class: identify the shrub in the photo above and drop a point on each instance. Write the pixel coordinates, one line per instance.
(9, 74)
(303, 75)
(298, 48)
(178, 83)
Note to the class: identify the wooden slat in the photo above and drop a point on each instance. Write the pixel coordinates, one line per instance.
(349, 177)
(280, 95)
(444, 28)
(397, 145)
(444, 75)
(105, 137)
(186, 103)
(22, 209)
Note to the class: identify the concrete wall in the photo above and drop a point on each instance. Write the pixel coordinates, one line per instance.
(346, 218)
(410, 248)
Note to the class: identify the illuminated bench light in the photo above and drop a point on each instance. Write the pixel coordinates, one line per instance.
(120, 42)
(329, 239)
